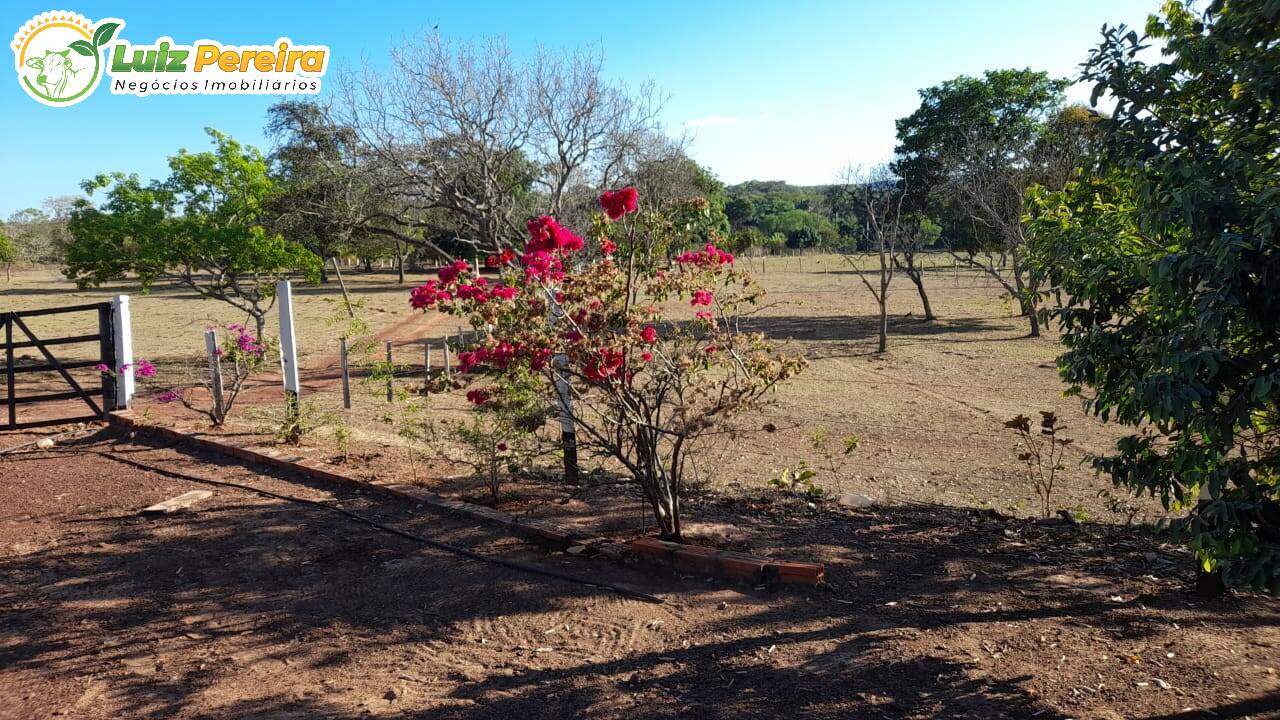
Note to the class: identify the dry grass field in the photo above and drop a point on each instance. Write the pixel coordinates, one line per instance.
(928, 413)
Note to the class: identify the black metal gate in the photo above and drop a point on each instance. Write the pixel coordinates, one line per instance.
(13, 325)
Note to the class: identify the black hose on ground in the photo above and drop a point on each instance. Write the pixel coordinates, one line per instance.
(447, 547)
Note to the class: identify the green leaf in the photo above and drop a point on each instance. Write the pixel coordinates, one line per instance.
(103, 34)
(82, 47)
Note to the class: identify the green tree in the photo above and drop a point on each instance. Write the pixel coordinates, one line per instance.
(967, 156)
(202, 228)
(8, 255)
(803, 229)
(1166, 265)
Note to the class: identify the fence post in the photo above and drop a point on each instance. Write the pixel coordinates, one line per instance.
(568, 433)
(107, 353)
(426, 367)
(288, 348)
(12, 401)
(215, 374)
(346, 373)
(391, 371)
(122, 332)
(448, 372)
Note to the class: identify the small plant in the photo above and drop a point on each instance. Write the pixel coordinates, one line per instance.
(242, 354)
(1042, 451)
(308, 418)
(833, 456)
(798, 480)
(342, 440)
(501, 435)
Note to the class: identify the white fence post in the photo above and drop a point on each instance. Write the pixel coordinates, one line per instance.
(288, 344)
(122, 331)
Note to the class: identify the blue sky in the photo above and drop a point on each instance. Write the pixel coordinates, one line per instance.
(790, 90)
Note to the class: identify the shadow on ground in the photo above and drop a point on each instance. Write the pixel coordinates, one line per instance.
(260, 608)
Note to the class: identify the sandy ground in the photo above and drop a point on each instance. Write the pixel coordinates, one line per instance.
(255, 607)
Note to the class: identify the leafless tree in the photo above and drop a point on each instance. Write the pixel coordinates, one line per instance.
(990, 178)
(878, 194)
(466, 133)
(582, 127)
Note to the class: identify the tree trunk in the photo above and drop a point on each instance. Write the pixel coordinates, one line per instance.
(918, 278)
(342, 284)
(259, 320)
(1026, 297)
(400, 253)
(884, 300)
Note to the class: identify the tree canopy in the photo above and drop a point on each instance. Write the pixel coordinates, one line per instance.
(202, 227)
(1165, 259)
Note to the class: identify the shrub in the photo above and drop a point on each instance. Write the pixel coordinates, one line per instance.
(592, 327)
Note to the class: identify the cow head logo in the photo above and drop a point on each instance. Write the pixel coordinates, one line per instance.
(61, 56)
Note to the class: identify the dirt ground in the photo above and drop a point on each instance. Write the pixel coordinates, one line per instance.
(255, 607)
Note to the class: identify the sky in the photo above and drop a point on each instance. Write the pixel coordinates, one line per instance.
(771, 90)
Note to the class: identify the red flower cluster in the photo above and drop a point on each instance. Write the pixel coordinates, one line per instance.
(617, 203)
(479, 290)
(479, 397)
(547, 235)
(450, 272)
(499, 356)
(504, 258)
(608, 247)
(604, 364)
(424, 296)
(710, 256)
(702, 297)
(649, 334)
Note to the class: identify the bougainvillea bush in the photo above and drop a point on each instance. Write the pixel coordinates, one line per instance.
(240, 354)
(590, 321)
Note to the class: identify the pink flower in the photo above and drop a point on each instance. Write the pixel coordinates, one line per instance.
(505, 292)
(167, 396)
(492, 261)
(548, 236)
(605, 363)
(710, 349)
(646, 356)
(449, 273)
(428, 294)
(617, 203)
(709, 257)
(468, 359)
(649, 334)
(102, 368)
(608, 247)
(538, 358)
(142, 368)
(704, 315)
(702, 297)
